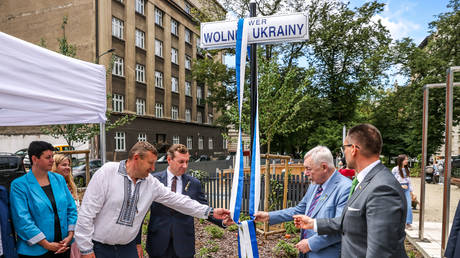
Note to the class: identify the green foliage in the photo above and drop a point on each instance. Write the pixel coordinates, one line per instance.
(232, 228)
(276, 195)
(290, 227)
(211, 247)
(202, 221)
(295, 240)
(244, 217)
(214, 231)
(198, 174)
(415, 172)
(285, 249)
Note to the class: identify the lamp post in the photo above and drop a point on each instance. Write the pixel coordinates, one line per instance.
(101, 125)
(106, 52)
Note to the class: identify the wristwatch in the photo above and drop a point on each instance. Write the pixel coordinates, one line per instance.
(211, 212)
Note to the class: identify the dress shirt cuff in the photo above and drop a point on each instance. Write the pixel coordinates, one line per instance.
(315, 226)
(208, 212)
(71, 228)
(223, 224)
(37, 238)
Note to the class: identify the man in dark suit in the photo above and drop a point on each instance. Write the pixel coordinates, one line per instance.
(170, 233)
(7, 243)
(373, 222)
(453, 245)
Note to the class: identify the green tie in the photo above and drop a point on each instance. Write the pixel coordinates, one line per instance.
(353, 186)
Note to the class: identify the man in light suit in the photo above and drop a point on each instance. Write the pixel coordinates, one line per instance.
(172, 234)
(325, 197)
(373, 221)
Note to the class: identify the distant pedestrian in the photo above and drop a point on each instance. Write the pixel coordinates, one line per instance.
(345, 170)
(402, 174)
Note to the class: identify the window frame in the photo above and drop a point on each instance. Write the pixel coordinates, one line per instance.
(174, 27)
(140, 39)
(174, 56)
(118, 66)
(176, 139)
(188, 62)
(120, 141)
(174, 86)
(188, 115)
(118, 103)
(159, 80)
(174, 112)
(140, 106)
(159, 110)
(159, 17)
(200, 142)
(117, 27)
(159, 48)
(189, 142)
(140, 7)
(140, 73)
(141, 137)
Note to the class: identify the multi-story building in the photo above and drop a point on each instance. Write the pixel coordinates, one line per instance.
(154, 42)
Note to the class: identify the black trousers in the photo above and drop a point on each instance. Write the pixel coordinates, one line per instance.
(48, 255)
(115, 251)
(169, 253)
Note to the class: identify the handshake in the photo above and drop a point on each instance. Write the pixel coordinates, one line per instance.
(300, 221)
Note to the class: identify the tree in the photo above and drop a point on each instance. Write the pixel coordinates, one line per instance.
(73, 133)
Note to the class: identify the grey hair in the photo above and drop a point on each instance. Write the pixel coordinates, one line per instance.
(320, 154)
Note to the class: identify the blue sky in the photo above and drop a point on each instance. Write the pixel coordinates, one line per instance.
(408, 18)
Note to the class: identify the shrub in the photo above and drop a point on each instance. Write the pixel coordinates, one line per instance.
(214, 231)
(285, 250)
(232, 228)
(290, 228)
(211, 247)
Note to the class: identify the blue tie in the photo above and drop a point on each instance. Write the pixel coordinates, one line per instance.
(318, 193)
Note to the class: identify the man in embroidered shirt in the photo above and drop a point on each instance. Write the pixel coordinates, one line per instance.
(326, 196)
(117, 199)
(171, 234)
(373, 222)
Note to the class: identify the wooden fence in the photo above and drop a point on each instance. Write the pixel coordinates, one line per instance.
(218, 191)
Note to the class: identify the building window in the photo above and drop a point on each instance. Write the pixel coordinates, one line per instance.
(158, 79)
(118, 66)
(140, 38)
(176, 139)
(118, 103)
(210, 144)
(140, 107)
(120, 141)
(142, 137)
(210, 119)
(224, 143)
(159, 110)
(198, 44)
(200, 142)
(188, 88)
(158, 48)
(174, 27)
(199, 93)
(174, 84)
(140, 73)
(117, 28)
(189, 142)
(188, 62)
(174, 56)
(158, 16)
(187, 7)
(174, 112)
(188, 36)
(199, 117)
(188, 115)
(209, 93)
(140, 6)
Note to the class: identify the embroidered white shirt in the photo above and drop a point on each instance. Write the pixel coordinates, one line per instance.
(112, 213)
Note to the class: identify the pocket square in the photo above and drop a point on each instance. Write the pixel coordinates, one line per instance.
(352, 209)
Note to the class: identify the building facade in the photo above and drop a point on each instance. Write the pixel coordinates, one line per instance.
(148, 48)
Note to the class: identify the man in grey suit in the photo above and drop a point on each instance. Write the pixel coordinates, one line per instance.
(373, 222)
(326, 197)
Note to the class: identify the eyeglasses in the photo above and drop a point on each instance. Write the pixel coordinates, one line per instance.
(347, 145)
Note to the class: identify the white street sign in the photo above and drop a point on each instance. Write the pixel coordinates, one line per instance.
(262, 30)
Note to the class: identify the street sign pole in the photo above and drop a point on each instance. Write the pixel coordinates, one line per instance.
(253, 67)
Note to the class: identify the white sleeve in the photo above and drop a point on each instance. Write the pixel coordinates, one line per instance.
(92, 203)
(179, 202)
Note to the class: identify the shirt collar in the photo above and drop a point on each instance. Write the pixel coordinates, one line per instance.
(122, 171)
(171, 175)
(361, 175)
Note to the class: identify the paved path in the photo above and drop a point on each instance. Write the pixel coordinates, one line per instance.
(431, 246)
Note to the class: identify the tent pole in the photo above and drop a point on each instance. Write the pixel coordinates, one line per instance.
(102, 142)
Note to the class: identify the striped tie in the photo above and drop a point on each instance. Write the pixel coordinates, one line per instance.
(314, 201)
(312, 207)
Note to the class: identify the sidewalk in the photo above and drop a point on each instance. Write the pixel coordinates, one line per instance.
(431, 245)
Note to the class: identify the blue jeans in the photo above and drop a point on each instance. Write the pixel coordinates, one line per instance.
(409, 206)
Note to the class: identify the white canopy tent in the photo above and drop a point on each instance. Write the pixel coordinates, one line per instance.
(42, 87)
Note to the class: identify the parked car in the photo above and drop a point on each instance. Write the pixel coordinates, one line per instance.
(25, 157)
(63, 148)
(79, 172)
(163, 158)
(202, 158)
(11, 167)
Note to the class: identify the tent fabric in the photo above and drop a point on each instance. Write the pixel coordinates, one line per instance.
(42, 87)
